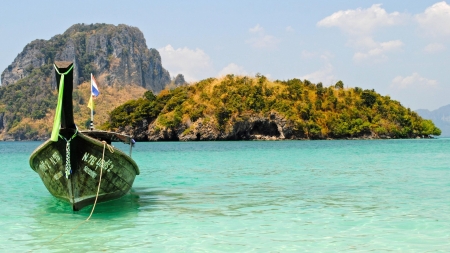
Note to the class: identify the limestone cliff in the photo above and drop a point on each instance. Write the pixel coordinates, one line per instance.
(119, 53)
(250, 127)
(1, 120)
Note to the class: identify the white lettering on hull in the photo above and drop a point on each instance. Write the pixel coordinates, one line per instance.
(92, 160)
(58, 175)
(90, 172)
(44, 166)
(50, 162)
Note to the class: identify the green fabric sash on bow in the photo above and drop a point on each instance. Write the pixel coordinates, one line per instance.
(57, 119)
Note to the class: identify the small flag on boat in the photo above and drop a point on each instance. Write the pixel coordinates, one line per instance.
(94, 92)
(94, 88)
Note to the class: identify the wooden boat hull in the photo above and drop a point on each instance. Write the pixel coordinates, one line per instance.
(80, 189)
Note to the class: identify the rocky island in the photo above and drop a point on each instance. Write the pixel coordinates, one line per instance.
(245, 108)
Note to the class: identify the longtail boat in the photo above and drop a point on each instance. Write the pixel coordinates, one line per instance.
(81, 167)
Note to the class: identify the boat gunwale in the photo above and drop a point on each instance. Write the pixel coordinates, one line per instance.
(92, 141)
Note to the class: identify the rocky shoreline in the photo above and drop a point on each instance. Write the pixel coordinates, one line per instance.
(253, 127)
(273, 127)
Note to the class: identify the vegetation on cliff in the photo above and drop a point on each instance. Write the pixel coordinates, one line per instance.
(311, 110)
(117, 55)
(25, 105)
(26, 116)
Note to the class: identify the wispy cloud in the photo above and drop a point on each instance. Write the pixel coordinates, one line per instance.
(413, 81)
(359, 24)
(417, 91)
(434, 48)
(194, 64)
(233, 68)
(262, 40)
(379, 50)
(307, 54)
(256, 29)
(289, 29)
(324, 74)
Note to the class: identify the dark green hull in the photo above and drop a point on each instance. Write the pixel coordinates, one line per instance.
(80, 189)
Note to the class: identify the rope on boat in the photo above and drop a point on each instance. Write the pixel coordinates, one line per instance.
(68, 166)
(111, 149)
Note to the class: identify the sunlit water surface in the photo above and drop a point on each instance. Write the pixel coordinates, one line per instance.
(278, 196)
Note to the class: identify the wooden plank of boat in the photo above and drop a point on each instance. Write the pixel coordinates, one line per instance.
(70, 166)
(108, 136)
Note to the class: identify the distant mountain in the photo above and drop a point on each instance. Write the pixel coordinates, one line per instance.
(440, 117)
(117, 55)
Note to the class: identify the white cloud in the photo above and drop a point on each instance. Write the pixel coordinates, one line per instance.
(413, 81)
(435, 20)
(363, 42)
(378, 51)
(434, 48)
(289, 29)
(265, 41)
(359, 24)
(261, 40)
(307, 54)
(193, 64)
(233, 68)
(417, 92)
(362, 21)
(325, 74)
(256, 29)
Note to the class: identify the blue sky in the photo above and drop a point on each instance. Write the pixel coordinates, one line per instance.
(399, 48)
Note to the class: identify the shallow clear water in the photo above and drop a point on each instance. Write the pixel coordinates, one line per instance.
(279, 196)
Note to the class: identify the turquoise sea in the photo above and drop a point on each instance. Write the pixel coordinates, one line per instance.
(246, 196)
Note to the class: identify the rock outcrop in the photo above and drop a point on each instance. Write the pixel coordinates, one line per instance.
(179, 80)
(119, 53)
(2, 114)
(251, 127)
(31, 57)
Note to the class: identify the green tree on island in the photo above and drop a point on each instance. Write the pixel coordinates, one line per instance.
(316, 112)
